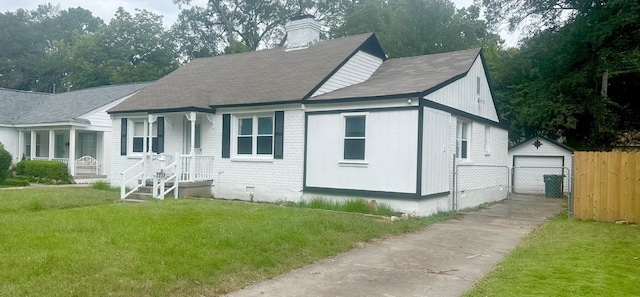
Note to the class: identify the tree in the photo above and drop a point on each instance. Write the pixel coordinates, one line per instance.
(227, 23)
(553, 84)
(132, 48)
(27, 40)
(417, 27)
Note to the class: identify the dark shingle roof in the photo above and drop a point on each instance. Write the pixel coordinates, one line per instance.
(19, 107)
(411, 75)
(274, 75)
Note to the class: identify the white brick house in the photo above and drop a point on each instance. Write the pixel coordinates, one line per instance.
(333, 118)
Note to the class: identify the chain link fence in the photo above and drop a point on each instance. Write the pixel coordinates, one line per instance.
(516, 192)
(479, 186)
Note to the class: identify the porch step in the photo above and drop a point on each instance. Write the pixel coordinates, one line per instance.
(140, 196)
(144, 193)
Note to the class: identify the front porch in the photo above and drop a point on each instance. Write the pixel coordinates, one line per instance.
(162, 174)
(81, 150)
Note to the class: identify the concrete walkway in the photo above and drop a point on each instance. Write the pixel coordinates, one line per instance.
(445, 259)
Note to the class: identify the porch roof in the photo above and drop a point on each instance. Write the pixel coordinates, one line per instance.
(260, 77)
(30, 108)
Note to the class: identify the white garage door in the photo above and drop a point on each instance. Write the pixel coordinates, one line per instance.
(529, 171)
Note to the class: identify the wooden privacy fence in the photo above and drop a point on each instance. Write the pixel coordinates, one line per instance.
(607, 186)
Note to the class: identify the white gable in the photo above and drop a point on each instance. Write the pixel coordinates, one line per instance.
(542, 148)
(463, 94)
(99, 116)
(358, 69)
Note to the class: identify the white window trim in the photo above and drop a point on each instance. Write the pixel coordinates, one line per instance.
(469, 140)
(348, 162)
(487, 140)
(130, 135)
(254, 157)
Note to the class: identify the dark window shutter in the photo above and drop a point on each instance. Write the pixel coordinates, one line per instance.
(279, 136)
(226, 135)
(123, 136)
(160, 135)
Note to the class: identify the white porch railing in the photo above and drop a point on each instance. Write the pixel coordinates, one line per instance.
(133, 173)
(181, 168)
(63, 160)
(196, 168)
(160, 179)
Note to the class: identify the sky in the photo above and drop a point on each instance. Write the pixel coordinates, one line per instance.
(105, 9)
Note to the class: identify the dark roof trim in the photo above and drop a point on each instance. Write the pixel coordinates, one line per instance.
(356, 99)
(366, 109)
(165, 110)
(486, 74)
(547, 139)
(451, 110)
(443, 84)
(360, 193)
(214, 107)
(369, 46)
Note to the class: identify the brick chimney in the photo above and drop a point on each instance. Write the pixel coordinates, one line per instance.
(302, 31)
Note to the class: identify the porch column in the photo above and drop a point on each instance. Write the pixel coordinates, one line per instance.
(72, 151)
(52, 142)
(20, 146)
(149, 142)
(192, 163)
(33, 144)
(192, 118)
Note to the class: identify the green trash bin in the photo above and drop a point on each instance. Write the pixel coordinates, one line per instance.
(553, 185)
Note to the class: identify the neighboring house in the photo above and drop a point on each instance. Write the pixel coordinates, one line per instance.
(334, 118)
(536, 157)
(71, 127)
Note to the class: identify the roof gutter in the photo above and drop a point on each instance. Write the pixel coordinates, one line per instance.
(165, 110)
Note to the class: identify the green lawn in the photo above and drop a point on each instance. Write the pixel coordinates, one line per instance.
(570, 258)
(79, 242)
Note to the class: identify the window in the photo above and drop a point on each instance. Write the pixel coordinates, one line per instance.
(477, 85)
(354, 137)
(487, 139)
(139, 132)
(88, 144)
(462, 139)
(255, 136)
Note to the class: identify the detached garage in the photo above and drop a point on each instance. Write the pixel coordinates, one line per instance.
(537, 157)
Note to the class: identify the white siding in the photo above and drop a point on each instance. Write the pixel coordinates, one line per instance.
(486, 179)
(462, 94)
(358, 69)
(99, 117)
(435, 152)
(9, 139)
(390, 150)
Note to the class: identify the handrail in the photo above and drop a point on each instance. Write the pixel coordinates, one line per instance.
(123, 192)
(160, 181)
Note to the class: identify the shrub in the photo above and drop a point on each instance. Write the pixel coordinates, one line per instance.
(45, 171)
(5, 163)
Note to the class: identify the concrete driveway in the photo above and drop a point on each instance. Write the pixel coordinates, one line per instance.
(445, 259)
